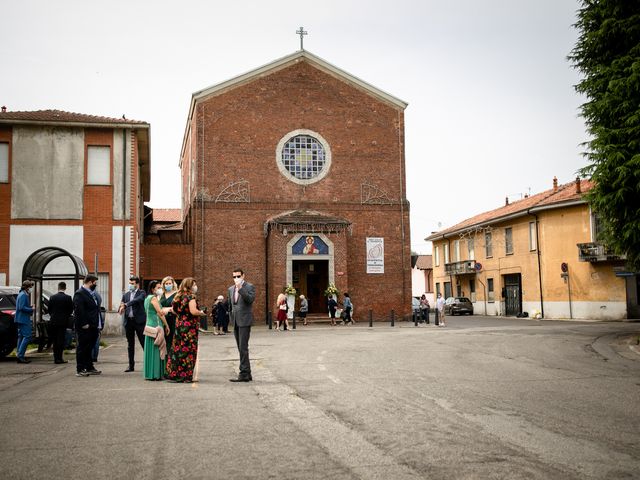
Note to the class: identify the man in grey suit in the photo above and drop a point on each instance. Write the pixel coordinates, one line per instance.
(240, 302)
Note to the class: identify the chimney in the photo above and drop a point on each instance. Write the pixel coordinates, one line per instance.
(555, 184)
(4, 109)
(578, 189)
(506, 201)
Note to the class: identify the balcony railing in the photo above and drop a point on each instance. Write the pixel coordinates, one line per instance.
(460, 268)
(597, 252)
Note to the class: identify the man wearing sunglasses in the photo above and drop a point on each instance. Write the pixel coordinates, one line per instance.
(240, 306)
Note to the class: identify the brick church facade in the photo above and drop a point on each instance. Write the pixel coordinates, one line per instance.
(295, 172)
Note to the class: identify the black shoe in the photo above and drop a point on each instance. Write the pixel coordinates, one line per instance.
(23, 360)
(241, 379)
(58, 362)
(130, 369)
(82, 373)
(93, 371)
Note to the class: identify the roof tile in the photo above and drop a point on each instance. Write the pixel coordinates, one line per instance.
(167, 215)
(564, 193)
(55, 116)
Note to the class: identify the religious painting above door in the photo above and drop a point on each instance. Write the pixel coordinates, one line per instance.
(310, 245)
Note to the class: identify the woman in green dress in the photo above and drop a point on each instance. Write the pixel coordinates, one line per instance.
(155, 358)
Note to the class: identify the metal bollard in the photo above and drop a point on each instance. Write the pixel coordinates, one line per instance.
(393, 318)
(269, 320)
(415, 319)
(437, 321)
(294, 321)
(370, 318)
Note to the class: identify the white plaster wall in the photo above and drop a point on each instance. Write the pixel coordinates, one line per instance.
(418, 284)
(3, 279)
(25, 239)
(586, 310)
(47, 177)
(488, 308)
(118, 284)
(113, 321)
(530, 306)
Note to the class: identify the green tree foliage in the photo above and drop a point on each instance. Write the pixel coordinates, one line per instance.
(608, 55)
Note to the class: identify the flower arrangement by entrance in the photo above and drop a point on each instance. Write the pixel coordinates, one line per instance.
(290, 291)
(332, 291)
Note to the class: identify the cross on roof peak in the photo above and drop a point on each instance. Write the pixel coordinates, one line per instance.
(302, 33)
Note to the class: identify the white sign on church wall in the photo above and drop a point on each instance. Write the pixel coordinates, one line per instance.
(375, 255)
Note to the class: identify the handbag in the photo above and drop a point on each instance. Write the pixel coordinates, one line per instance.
(150, 331)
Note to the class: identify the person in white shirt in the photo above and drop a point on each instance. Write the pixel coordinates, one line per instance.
(440, 307)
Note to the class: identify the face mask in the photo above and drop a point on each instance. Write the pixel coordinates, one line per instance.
(237, 281)
(168, 288)
(132, 287)
(194, 289)
(92, 287)
(159, 293)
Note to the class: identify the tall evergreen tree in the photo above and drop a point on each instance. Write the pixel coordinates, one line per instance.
(608, 55)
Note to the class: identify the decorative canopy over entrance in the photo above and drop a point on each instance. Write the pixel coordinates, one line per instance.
(34, 268)
(308, 221)
(37, 262)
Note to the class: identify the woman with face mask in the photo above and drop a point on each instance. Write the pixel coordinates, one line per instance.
(184, 351)
(169, 289)
(155, 351)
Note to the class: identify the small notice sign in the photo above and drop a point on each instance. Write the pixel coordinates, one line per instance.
(375, 255)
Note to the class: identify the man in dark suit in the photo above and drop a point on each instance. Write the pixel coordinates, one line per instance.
(60, 310)
(133, 318)
(240, 306)
(86, 310)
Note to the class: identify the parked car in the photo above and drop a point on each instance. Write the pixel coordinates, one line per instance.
(458, 306)
(8, 329)
(415, 305)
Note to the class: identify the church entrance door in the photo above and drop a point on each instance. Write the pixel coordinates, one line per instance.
(311, 278)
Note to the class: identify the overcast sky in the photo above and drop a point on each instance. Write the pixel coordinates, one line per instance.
(492, 110)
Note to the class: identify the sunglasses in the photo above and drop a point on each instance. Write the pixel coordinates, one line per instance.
(237, 276)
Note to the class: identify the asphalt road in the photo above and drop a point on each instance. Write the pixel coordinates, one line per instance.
(481, 398)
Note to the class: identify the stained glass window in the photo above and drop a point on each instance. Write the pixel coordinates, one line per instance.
(304, 157)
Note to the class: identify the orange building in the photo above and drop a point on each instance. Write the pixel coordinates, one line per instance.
(539, 254)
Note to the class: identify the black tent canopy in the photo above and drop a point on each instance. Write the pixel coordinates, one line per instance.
(34, 267)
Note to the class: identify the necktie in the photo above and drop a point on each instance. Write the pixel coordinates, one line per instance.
(236, 295)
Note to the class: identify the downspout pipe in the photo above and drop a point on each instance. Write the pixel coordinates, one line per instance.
(534, 215)
(450, 276)
(266, 274)
(124, 204)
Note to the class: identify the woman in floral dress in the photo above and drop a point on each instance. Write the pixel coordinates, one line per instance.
(184, 351)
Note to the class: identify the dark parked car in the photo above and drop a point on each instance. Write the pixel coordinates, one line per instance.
(8, 330)
(458, 306)
(415, 305)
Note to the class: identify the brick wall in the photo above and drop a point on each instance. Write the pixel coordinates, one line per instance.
(234, 135)
(158, 261)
